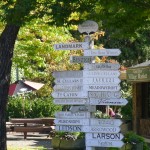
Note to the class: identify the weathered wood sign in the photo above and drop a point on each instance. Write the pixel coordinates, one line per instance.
(104, 136)
(115, 102)
(99, 87)
(71, 46)
(81, 59)
(68, 74)
(105, 122)
(103, 143)
(88, 26)
(101, 73)
(69, 114)
(69, 128)
(71, 101)
(71, 121)
(69, 94)
(65, 81)
(102, 66)
(68, 88)
(102, 52)
(104, 94)
(101, 80)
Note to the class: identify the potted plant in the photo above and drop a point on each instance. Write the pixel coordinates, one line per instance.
(67, 140)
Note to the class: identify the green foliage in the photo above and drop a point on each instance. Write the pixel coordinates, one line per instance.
(133, 139)
(31, 107)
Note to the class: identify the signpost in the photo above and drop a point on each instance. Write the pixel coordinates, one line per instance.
(72, 46)
(97, 84)
(113, 102)
(102, 52)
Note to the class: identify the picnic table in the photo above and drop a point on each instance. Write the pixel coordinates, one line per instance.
(31, 125)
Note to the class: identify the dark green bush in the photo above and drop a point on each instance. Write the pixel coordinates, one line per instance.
(31, 107)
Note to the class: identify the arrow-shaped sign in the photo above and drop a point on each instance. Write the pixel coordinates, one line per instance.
(66, 81)
(101, 80)
(101, 66)
(106, 122)
(104, 136)
(115, 102)
(68, 114)
(82, 59)
(102, 52)
(71, 46)
(104, 143)
(104, 94)
(101, 73)
(99, 87)
(71, 121)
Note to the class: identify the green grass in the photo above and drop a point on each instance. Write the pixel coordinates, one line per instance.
(26, 148)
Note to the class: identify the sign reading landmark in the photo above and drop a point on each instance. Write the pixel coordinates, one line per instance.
(101, 66)
(102, 52)
(81, 59)
(71, 46)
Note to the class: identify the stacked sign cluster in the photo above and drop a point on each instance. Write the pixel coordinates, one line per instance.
(97, 84)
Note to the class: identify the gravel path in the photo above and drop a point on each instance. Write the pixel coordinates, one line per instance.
(33, 141)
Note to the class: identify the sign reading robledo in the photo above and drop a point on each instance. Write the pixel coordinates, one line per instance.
(81, 59)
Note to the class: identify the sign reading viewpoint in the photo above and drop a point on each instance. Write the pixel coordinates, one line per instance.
(88, 27)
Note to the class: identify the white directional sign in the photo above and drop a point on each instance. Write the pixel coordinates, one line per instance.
(101, 73)
(68, 114)
(72, 81)
(104, 94)
(115, 102)
(99, 87)
(68, 74)
(104, 143)
(69, 128)
(88, 108)
(92, 129)
(88, 26)
(101, 80)
(104, 136)
(71, 121)
(68, 88)
(102, 52)
(70, 94)
(106, 122)
(81, 59)
(95, 129)
(71, 101)
(71, 46)
(101, 66)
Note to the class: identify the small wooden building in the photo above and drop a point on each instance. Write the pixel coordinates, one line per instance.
(139, 76)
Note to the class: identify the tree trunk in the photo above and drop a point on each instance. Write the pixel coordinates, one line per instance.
(7, 42)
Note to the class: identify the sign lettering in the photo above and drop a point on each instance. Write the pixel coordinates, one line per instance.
(81, 59)
(69, 81)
